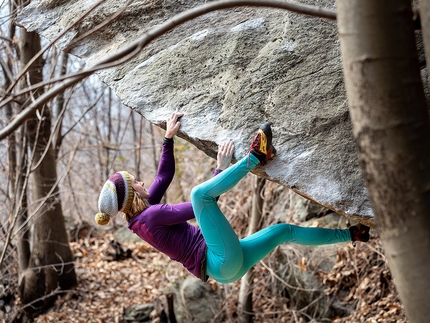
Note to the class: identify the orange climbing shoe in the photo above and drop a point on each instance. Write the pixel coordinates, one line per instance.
(359, 232)
(261, 146)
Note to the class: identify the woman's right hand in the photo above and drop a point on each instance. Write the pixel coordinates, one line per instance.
(172, 124)
(225, 154)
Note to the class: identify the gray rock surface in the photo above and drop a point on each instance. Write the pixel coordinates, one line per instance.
(229, 71)
(194, 301)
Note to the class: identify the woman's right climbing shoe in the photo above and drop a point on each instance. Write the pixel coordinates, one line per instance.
(359, 232)
(261, 146)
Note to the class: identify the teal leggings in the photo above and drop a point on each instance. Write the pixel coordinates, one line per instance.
(228, 258)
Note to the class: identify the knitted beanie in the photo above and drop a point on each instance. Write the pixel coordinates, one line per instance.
(116, 196)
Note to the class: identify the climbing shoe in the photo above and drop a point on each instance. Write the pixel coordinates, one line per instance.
(359, 232)
(261, 146)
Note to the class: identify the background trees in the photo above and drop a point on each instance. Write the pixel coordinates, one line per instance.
(48, 260)
(387, 101)
(45, 259)
(36, 196)
(53, 163)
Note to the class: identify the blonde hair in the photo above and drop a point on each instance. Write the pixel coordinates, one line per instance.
(137, 206)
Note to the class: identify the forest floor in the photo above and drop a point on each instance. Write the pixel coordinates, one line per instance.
(106, 287)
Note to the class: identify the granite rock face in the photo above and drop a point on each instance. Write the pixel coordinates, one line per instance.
(229, 71)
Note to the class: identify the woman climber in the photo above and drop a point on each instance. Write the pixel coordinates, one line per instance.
(212, 249)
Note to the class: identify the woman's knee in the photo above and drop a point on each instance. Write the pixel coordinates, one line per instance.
(199, 193)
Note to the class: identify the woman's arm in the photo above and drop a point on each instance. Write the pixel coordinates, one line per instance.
(166, 166)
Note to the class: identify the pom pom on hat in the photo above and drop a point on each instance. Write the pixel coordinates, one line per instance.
(116, 196)
(102, 218)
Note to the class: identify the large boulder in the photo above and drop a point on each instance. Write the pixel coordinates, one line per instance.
(192, 301)
(229, 71)
(300, 267)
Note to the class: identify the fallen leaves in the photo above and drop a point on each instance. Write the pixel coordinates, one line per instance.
(106, 289)
(361, 276)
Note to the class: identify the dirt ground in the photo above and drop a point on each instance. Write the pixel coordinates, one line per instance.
(107, 287)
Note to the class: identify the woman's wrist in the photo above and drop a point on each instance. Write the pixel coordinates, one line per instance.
(168, 140)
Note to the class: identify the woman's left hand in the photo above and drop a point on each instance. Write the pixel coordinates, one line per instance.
(173, 124)
(225, 153)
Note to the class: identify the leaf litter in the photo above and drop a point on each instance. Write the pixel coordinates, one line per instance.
(360, 279)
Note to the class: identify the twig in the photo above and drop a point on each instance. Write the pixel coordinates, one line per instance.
(283, 281)
(43, 50)
(6, 39)
(16, 213)
(49, 194)
(38, 268)
(54, 292)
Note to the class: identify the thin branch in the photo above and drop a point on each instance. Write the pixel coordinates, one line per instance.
(50, 143)
(43, 50)
(6, 70)
(137, 46)
(119, 143)
(42, 202)
(272, 272)
(10, 97)
(10, 233)
(14, 219)
(83, 115)
(6, 39)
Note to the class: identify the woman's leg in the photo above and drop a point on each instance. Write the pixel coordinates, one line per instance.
(261, 243)
(224, 255)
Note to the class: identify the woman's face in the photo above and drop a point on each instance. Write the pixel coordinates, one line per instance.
(139, 187)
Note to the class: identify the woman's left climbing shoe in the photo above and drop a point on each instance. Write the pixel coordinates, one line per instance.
(359, 232)
(261, 146)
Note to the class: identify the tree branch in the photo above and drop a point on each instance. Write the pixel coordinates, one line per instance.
(43, 50)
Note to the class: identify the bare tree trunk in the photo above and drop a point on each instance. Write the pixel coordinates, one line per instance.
(17, 156)
(109, 134)
(153, 145)
(245, 294)
(21, 199)
(51, 261)
(139, 148)
(154, 154)
(137, 140)
(392, 132)
(60, 105)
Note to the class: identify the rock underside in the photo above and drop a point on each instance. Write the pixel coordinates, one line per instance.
(229, 71)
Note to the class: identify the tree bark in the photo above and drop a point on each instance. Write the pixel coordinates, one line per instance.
(17, 157)
(51, 260)
(392, 133)
(59, 105)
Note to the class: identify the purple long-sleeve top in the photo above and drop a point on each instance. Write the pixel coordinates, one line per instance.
(165, 226)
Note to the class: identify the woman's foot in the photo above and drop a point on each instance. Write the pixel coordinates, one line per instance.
(261, 146)
(359, 232)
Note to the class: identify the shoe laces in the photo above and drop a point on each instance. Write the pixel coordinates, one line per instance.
(255, 144)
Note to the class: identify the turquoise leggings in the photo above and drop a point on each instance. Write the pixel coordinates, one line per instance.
(228, 257)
